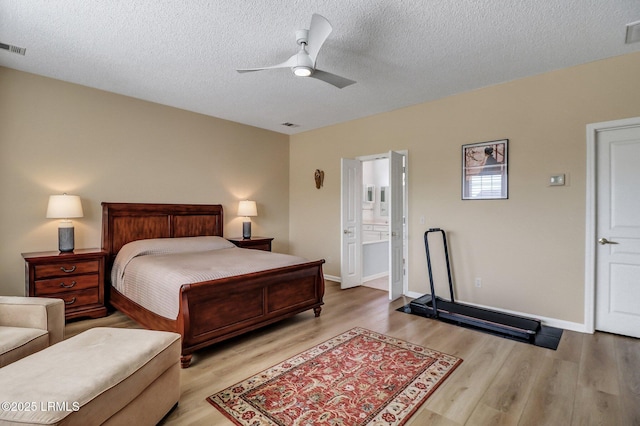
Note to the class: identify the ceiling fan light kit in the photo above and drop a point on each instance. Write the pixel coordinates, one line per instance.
(303, 63)
(302, 71)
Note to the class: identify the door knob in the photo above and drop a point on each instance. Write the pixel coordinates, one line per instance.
(604, 241)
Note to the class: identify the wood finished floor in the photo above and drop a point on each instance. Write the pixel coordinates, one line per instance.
(589, 380)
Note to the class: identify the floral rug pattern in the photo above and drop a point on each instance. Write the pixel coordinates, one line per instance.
(357, 378)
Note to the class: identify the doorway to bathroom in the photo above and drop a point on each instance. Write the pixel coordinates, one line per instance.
(374, 217)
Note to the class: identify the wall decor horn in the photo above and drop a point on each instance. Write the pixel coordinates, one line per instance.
(319, 177)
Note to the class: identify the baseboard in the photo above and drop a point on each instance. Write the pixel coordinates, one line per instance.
(332, 278)
(364, 279)
(552, 322)
(375, 276)
(414, 295)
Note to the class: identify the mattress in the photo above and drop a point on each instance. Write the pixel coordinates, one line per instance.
(151, 272)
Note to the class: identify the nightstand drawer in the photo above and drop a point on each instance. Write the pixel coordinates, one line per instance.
(73, 299)
(260, 246)
(66, 284)
(62, 269)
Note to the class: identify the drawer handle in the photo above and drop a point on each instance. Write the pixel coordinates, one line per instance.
(70, 302)
(68, 271)
(73, 283)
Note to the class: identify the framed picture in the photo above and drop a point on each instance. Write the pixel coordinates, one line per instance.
(484, 170)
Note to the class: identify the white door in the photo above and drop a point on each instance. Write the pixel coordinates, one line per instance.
(351, 222)
(617, 307)
(396, 225)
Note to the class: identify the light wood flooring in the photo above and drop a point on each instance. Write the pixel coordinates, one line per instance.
(589, 380)
(381, 283)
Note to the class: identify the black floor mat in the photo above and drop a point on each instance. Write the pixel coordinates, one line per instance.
(547, 337)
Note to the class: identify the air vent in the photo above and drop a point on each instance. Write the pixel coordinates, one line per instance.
(13, 49)
(633, 32)
(290, 124)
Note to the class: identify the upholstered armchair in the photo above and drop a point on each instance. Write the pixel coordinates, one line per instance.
(28, 325)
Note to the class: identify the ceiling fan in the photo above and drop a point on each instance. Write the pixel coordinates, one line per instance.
(303, 63)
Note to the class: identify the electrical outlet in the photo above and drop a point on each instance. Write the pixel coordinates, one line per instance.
(478, 282)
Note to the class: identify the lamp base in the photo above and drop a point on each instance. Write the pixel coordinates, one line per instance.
(246, 230)
(65, 239)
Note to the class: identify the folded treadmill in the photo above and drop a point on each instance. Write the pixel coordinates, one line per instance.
(430, 305)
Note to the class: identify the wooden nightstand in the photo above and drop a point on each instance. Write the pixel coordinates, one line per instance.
(76, 277)
(256, 243)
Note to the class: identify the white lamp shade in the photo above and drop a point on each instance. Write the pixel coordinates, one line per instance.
(64, 207)
(247, 208)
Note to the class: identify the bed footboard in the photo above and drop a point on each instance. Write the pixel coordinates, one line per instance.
(213, 311)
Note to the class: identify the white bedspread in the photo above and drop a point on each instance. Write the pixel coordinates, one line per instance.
(150, 272)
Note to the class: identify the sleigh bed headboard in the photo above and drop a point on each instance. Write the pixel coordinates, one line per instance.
(126, 222)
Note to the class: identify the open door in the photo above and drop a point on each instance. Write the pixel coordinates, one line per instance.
(396, 225)
(351, 221)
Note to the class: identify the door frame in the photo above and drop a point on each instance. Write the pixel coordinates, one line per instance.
(591, 220)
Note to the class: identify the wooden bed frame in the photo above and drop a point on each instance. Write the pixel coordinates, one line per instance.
(210, 311)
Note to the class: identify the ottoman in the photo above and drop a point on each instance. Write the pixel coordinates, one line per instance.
(101, 376)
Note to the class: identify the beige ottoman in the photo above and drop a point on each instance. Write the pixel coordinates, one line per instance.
(101, 376)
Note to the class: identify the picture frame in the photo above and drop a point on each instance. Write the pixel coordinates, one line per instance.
(485, 170)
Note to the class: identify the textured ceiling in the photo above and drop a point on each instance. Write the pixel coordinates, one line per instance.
(400, 52)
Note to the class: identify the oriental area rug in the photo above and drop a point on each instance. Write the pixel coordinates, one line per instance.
(357, 378)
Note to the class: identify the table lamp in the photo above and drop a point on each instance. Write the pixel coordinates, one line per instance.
(65, 207)
(247, 209)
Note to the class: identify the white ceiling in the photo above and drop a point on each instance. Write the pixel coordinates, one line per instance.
(400, 52)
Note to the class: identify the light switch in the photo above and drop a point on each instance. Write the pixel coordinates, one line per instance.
(556, 180)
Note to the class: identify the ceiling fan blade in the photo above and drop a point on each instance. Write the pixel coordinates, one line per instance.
(291, 62)
(335, 80)
(319, 30)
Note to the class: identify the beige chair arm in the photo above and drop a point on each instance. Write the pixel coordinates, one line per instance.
(34, 312)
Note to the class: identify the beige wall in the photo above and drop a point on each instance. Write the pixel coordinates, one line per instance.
(57, 137)
(529, 250)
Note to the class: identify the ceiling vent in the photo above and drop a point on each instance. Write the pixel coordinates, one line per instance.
(13, 49)
(290, 124)
(633, 32)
